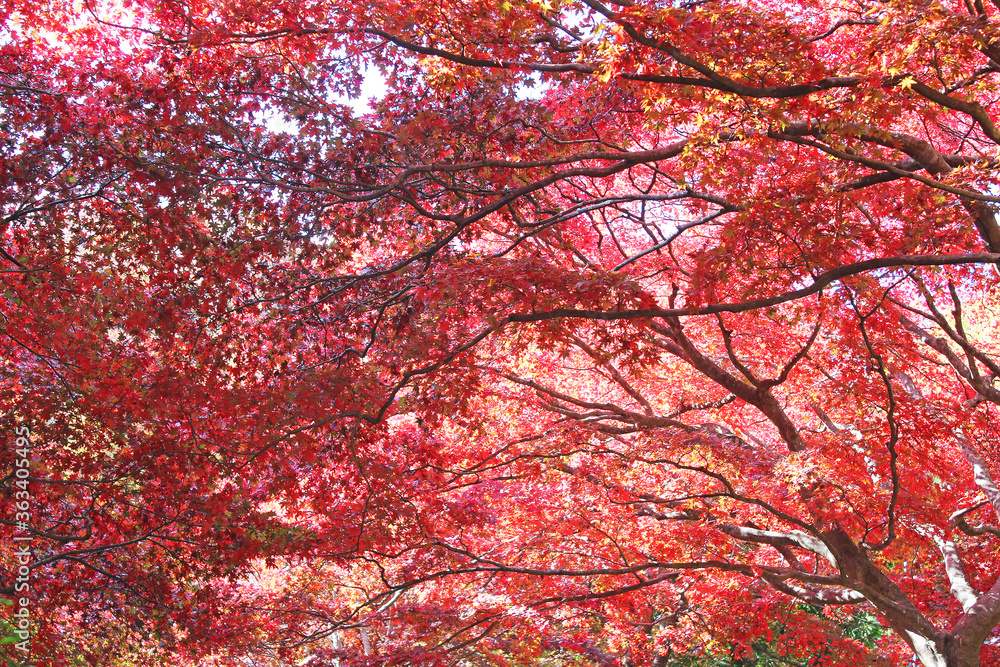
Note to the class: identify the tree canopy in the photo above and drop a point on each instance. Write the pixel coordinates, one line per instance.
(612, 333)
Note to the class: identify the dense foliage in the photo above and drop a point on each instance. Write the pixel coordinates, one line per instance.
(638, 333)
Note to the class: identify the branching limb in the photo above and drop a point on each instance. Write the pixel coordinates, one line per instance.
(980, 471)
(819, 595)
(759, 396)
(793, 538)
(959, 521)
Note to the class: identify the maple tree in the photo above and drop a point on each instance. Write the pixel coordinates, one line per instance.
(611, 334)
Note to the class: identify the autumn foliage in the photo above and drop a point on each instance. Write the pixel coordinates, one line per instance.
(637, 333)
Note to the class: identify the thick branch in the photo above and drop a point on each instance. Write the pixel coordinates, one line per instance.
(953, 567)
(793, 538)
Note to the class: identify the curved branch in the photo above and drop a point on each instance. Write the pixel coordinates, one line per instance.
(819, 283)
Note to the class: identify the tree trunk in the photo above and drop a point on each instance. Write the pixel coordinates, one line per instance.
(947, 652)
